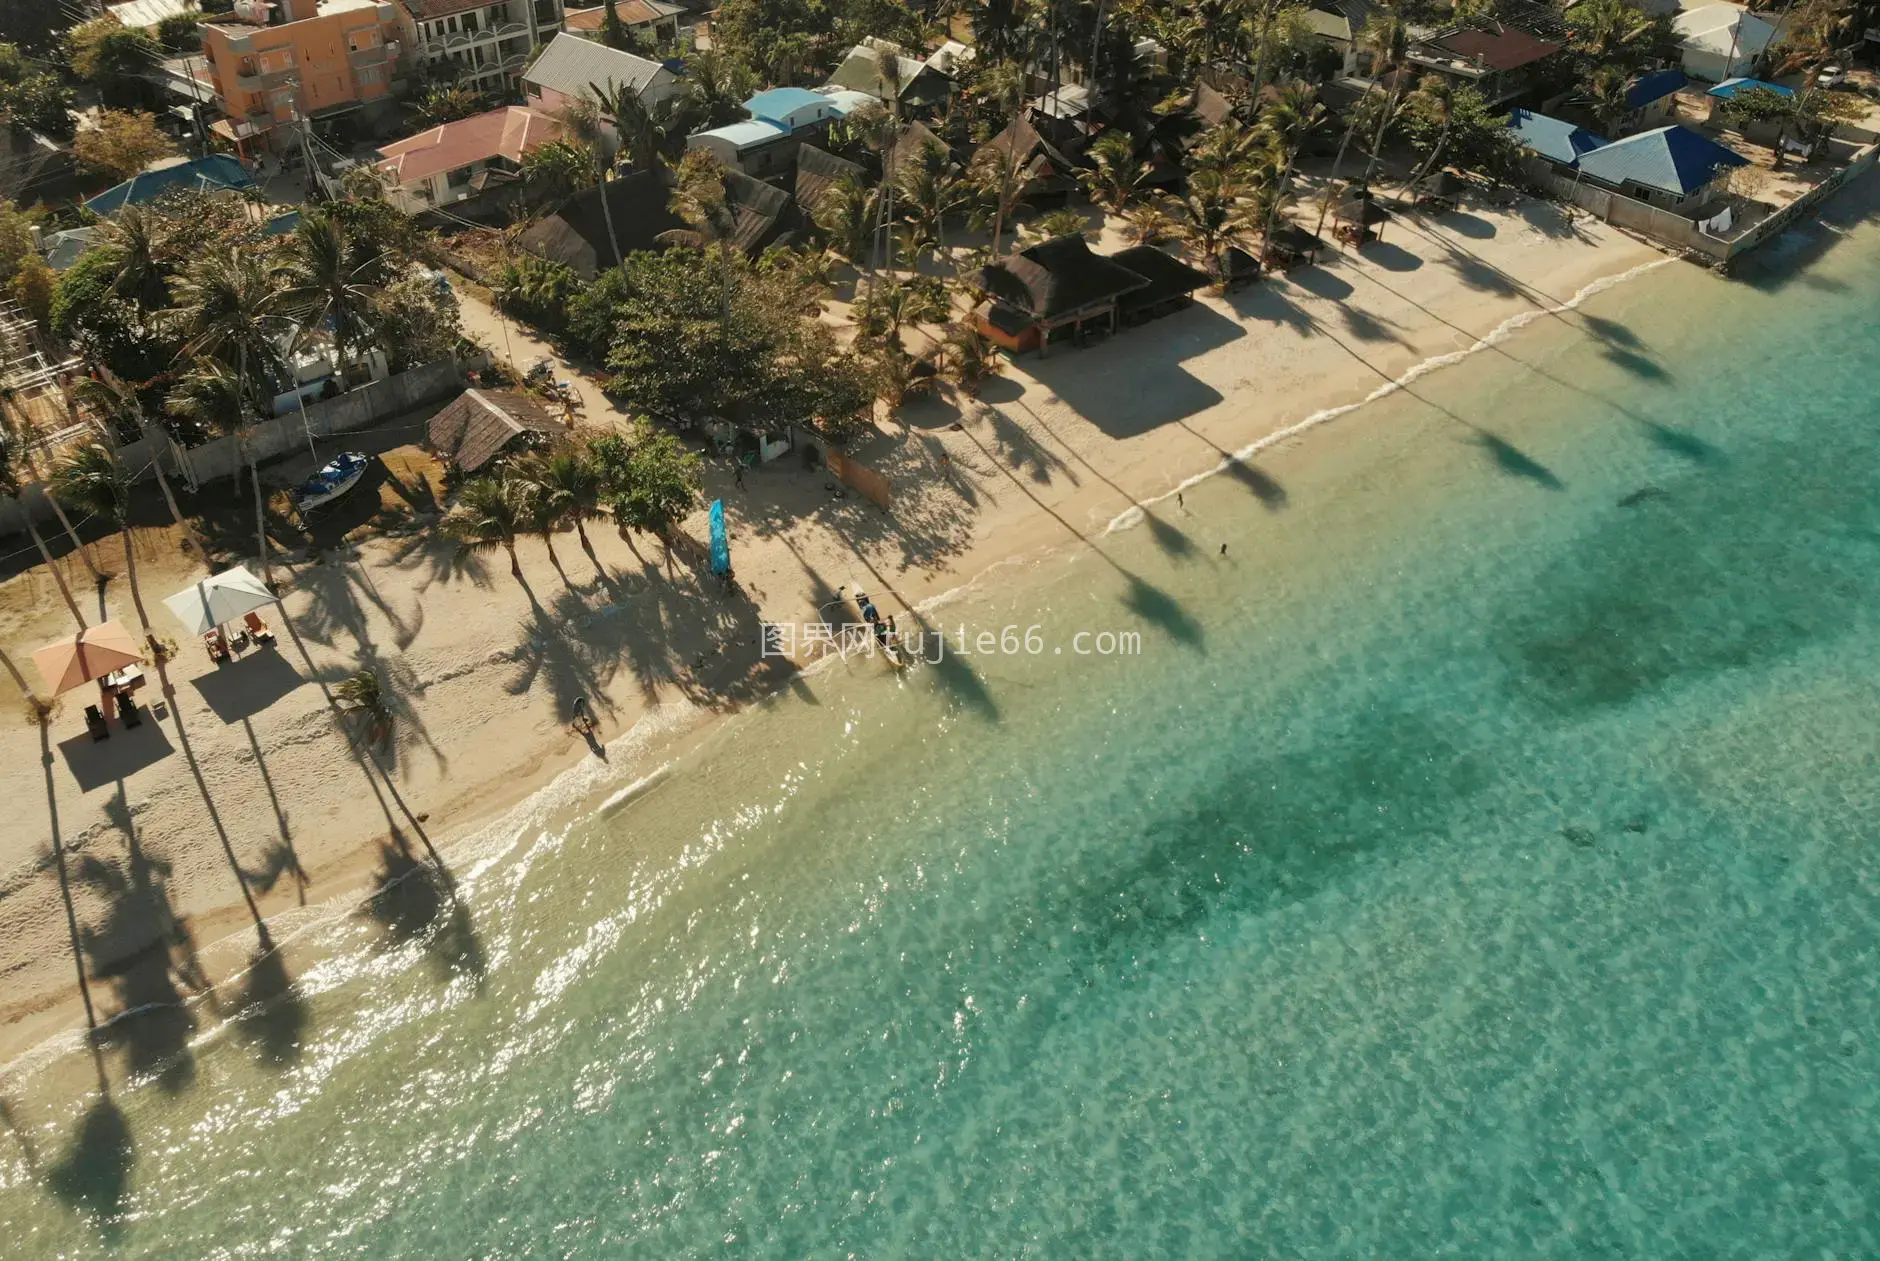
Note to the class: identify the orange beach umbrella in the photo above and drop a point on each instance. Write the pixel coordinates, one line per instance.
(90, 654)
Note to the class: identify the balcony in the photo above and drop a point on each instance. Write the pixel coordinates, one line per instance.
(259, 81)
(461, 40)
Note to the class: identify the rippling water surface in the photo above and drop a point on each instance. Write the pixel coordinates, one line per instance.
(1479, 857)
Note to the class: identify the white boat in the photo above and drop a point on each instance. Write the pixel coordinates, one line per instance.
(330, 482)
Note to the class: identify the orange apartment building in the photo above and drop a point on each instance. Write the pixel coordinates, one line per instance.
(274, 63)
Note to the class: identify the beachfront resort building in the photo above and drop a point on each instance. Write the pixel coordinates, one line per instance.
(454, 161)
(274, 64)
(1672, 168)
(1500, 59)
(1062, 288)
(483, 45)
(570, 68)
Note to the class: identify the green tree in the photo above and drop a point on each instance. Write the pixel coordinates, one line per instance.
(490, 512)
(232, 306)
(698, 197)
(583, 118)
(613, 31)
(1619, 34)
(363, 700)
(180, 32)
(846, 216)
(1117, 177)
(447, 103)
(1291, 118)
(566, 485)
(537, 291)
(333, 281)
(1605, 89)
(92, 476)
(122, 143)
(38, 102)
(554, 171)
(1215, 214)
(660, 486)
(17, 471)
(114, 58)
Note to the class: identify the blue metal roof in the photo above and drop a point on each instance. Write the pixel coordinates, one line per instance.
(1551, 138)
(1730, 87)
(1670, 159)
(218, 170)
(779, 103)
(1654, 87)
(745, 135)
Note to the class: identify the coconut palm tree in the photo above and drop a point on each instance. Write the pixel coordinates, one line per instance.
(93, 476)
(1435, 98)
(583, 119)
(1215, 214)
(363, 700)
(1387, 37)
(846, 215)
(1117, 180)
(698, 197)
(490, 512)
(1152, 224)
(14, 483)
(642, 139)
(232, 307)
(933, 191)
(132, 242)
(566, 486)
(118, 405)
(333, 281)
(1291, 118)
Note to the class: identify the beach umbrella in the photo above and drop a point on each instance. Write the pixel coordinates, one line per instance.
(91, 654)
(219, 599)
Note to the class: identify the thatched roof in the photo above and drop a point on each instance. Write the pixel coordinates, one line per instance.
(577, 233)
(1057, 277)
(818, 171)
(478, 424)
(1167, 275)
(1290, 236)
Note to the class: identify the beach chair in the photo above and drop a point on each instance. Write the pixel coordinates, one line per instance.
(94, 723)
(258, 628)
(127, 711)
(215, 646)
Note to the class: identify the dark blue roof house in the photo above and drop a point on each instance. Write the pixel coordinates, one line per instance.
(1557, 141)
(1653, 87)
(1670, 166)
(218, 170)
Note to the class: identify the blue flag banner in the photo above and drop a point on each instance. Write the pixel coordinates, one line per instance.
(721, 545)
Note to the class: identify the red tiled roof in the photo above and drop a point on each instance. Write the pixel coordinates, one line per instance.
(632, 13)
(511, 132)
(1506, 49)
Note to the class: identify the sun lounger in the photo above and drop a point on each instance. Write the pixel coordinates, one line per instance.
(215, 645)
(127, 710)
(94, 723)
(258, 628)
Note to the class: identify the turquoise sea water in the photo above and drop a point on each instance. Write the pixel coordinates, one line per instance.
(1480, 859)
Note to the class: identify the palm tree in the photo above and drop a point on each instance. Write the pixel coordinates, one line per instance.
(698, 197)
(566, 486)
(232, 307)
(1291, 118)
(1387, 36)
(362, 698)
(717, 87)
(133, 247)
(13, 484)
(971, 357)
(333, 282)
(1215, 214)
(933, 192)
(642, 139)
(118, 404)
(1152, 224)
(846, 215)
(1119, 176)
(1056, 223)
(1435, 97)
(490, 512)
(92, 475)
(584, 121)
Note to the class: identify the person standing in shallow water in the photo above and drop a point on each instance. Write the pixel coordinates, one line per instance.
(1223, 549)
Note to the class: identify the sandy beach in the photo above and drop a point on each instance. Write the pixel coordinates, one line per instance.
(485, 669)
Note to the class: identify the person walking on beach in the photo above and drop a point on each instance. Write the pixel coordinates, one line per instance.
(737, 473)
(584, 723)
(1223, 549)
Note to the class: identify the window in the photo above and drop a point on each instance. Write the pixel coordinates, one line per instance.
(367, 75)
(470, 23)
(360, 41)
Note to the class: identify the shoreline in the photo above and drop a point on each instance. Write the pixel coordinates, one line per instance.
(558, 775)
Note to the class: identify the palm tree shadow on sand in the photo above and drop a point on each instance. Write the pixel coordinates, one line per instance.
(414, 901)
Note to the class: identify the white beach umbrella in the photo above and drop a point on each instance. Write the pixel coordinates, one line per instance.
(219, 599)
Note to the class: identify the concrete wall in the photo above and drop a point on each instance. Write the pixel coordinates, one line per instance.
(284, 435)
(1680, 232)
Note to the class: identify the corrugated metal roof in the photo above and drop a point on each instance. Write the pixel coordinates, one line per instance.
(1670, 159)
(1552, 138)
(745, 135)
(780, 103)
(1654, 87)
(571, 65)
(217, 170)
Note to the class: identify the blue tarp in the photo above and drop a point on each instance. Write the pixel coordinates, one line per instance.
(721, 545)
